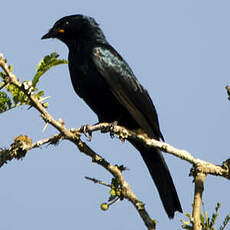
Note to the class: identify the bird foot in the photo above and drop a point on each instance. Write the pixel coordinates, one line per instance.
(112, 125)
(86, 131)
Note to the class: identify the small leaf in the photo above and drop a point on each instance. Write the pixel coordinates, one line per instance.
(202, 220)
(40, 94)
(226, 221)
(2, 75)
(45, 64)
(10, 68)
(5, 102)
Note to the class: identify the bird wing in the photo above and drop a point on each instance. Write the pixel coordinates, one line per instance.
(126, 88)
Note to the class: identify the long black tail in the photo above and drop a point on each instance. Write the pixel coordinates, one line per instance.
(160, 173)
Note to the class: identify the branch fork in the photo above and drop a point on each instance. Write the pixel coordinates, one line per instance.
(202, 168)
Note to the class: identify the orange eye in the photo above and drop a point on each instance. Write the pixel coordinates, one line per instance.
(61, 31)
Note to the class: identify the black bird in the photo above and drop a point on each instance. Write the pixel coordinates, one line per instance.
(102, 78)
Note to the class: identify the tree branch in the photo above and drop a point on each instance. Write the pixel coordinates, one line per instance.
(123, 133)
(23, 146)
(199, 188)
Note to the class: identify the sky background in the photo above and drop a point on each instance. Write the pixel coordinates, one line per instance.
(180, 52)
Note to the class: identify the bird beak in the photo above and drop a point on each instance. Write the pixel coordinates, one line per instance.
(53, 33)
(50, 34)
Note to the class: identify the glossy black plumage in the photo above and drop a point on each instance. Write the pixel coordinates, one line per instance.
(102, 78)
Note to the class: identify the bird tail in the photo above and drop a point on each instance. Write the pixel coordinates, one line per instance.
(161, 176)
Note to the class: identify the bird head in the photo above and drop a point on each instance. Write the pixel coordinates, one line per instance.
(75, 27)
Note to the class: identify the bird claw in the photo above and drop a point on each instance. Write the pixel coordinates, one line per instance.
(114, 123)
(86, 131)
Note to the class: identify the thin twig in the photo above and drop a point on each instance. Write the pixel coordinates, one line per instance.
(98, 181)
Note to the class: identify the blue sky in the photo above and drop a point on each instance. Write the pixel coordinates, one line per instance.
(179, 50)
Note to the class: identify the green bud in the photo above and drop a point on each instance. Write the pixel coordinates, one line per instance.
(112, 192)
(46, 104)
(104, 206)
(118, 192)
